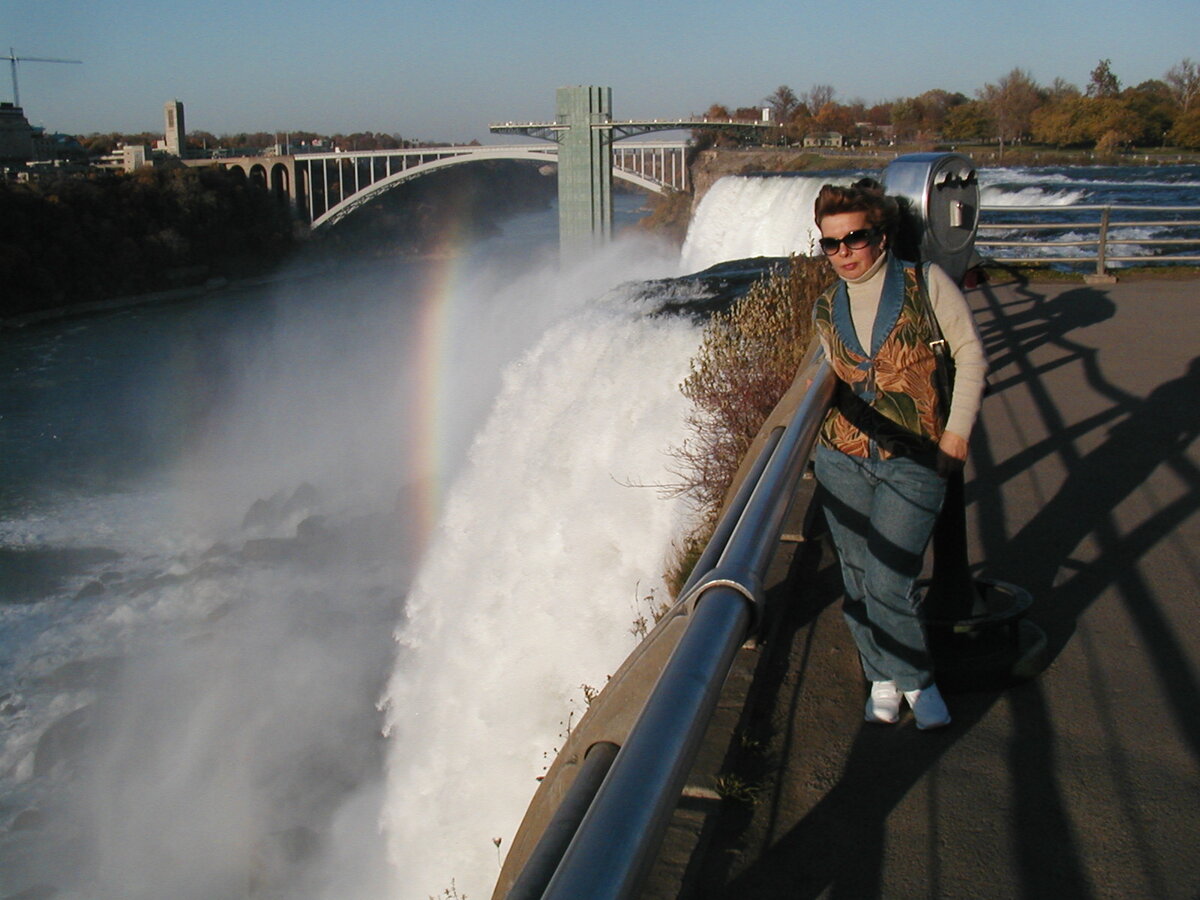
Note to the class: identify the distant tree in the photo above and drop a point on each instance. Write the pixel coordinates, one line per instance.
(1011, 103)
(721, 137)
(1110, 144)
(906, 118)
(1183, 80)
(818, 96)
(1155, 109)
(834, 117)
(1186, 131)
(880, 114)
(75, 239)
(1103, 82)
(783, 103)
(1083, 121)
(202, 140)
(857, 110)
(800, 124)
(98, 144)
(934, 106)
(1061, 89)
(970, 121)
(1059, 123)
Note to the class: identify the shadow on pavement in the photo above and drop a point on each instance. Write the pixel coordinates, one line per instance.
(832, 841)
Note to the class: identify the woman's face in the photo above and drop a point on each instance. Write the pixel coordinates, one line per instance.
(846, 262)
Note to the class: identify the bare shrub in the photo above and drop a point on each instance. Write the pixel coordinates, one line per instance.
(747, 359)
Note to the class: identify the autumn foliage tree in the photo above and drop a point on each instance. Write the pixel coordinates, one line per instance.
(1013, 109)
(1183, 80)
(71, 240)
(1011, 103)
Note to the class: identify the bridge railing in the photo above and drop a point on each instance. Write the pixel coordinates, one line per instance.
(332, 184)
(658, 161)
(612, 822)
(1071, 234)
(329, 183)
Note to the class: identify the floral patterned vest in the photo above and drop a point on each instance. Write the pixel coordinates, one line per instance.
(887, 395)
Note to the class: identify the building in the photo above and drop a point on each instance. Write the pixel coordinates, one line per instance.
(16, 136)
(824, 139)
(175, 142)
(126, 158)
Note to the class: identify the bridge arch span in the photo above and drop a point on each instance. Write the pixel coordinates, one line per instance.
(258, 175)
(348, 204)
(305, 175)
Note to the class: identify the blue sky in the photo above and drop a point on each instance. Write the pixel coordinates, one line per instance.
(444, 70)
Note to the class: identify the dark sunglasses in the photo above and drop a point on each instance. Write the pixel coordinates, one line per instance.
(855, 240)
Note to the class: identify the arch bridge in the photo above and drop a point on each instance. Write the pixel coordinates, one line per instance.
(583, 144)
(324, 188)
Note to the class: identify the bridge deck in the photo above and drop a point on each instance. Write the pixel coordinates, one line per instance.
(1085, 489)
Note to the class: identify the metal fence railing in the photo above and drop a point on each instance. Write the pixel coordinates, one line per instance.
(607, 832)
(1064, 234)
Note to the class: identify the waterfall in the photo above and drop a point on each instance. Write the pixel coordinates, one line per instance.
(758, 215)
(190, 698)
(550, 535)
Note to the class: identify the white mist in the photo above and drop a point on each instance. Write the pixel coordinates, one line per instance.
(529, 587)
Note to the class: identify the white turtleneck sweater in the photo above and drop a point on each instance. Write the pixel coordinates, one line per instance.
(958, 328)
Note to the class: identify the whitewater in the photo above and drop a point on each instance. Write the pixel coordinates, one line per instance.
(465, 489)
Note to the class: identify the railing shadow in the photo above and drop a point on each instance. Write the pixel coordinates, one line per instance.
(837, 848)
(1143, 434)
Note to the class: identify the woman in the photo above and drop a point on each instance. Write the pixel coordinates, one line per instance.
(886, 447)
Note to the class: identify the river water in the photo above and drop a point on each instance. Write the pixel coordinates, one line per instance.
(300, 584)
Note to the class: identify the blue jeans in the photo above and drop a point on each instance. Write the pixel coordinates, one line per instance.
(881, 513)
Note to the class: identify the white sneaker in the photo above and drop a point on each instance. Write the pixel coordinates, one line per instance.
(928, 707)
(883, 706)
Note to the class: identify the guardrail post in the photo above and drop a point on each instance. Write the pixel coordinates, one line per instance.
(1102, 246)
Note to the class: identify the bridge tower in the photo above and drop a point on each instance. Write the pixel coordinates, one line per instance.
(174, 134)
(584, 130)
(584, 168)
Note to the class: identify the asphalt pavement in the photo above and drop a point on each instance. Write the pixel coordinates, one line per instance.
(1080, 782)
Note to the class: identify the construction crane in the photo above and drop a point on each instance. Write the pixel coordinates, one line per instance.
(14, 59)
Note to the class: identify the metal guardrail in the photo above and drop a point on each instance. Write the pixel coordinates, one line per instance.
(1102, 242)
(617, 839)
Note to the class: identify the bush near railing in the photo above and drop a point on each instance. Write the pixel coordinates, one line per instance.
(747, 359)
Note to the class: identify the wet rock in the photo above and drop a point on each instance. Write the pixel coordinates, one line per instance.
(157, 581)
(28, 574)
(91, 589)
(28, 820)
(37, 892)
(273, 512)
(261, 514)
(304, 498)
(83, 673)
(220, 612)
(61, 743)
(270, 549)
(314, 528)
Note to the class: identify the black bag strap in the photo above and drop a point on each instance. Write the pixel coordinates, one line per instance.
(944, 371)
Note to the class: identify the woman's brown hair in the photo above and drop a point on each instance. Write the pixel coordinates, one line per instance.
(865, 196)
